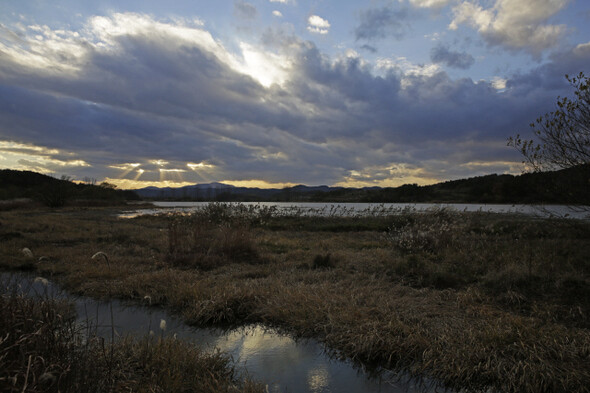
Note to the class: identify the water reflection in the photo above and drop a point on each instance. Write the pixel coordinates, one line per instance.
(281, 362)
(318, 380)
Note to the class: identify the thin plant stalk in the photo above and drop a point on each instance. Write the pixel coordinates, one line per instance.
(106, 258)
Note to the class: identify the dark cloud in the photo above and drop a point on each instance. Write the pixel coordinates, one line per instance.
(161, 96)
(245, 10)
(382, 23)
(369, 48)
(551, 76)
(443, 55)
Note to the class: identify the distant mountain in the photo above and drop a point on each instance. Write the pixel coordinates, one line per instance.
(226, 192)
(567, 186)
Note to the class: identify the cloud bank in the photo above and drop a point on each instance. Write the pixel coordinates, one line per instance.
(149, 100)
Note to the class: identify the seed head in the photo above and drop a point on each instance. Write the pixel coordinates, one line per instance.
(163, 324)
(47, 378)
(103, 255)
(42, 280)
(27, 252)
(100, 254)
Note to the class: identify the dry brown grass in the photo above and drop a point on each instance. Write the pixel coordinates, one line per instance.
(198, 242)
(43, 350)
(497, 302)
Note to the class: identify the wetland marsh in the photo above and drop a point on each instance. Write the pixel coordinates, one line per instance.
(475, 300)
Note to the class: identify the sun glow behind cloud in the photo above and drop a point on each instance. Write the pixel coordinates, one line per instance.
(200, 165)
(393, 175)
(23, 156)
(267, 68)
(61, 51)
(126, 168)
(161, 173)
(257, 183)
(129, 184)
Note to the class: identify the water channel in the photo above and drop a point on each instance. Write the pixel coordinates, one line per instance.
(284, 364)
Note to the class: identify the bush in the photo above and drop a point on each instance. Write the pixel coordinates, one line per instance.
(209, 241)
(322, 262)
(429, 232)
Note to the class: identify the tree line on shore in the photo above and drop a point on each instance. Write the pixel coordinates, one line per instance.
(567, 186)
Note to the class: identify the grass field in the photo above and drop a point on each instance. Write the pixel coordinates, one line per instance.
(475, 300)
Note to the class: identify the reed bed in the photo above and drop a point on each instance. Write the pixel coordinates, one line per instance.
(477, 301)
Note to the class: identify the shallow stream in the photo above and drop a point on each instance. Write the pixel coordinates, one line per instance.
(284, 364)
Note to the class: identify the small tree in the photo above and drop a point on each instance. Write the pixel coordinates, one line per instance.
(563, 142)
(563, 135)
(109, 186)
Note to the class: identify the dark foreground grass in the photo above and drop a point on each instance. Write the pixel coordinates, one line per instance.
(477, 301)
(42, 349)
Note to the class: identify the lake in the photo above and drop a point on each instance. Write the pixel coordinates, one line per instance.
(367, 209)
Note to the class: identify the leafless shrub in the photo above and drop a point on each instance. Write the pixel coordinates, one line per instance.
(429, 231)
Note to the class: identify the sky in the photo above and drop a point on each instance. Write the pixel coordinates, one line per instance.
(273, 93)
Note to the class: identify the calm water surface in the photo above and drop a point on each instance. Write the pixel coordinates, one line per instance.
(278, 360)
(363, 209)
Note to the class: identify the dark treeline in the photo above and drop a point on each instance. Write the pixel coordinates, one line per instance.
(568, 186)
(58, 192)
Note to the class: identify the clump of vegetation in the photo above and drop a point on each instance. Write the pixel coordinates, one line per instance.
(42, 349)
(322, 262)
(209, 239)
(448, 249)
(429, 231)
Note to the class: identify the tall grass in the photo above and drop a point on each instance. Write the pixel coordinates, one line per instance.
(210, 239)
(43, 349)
